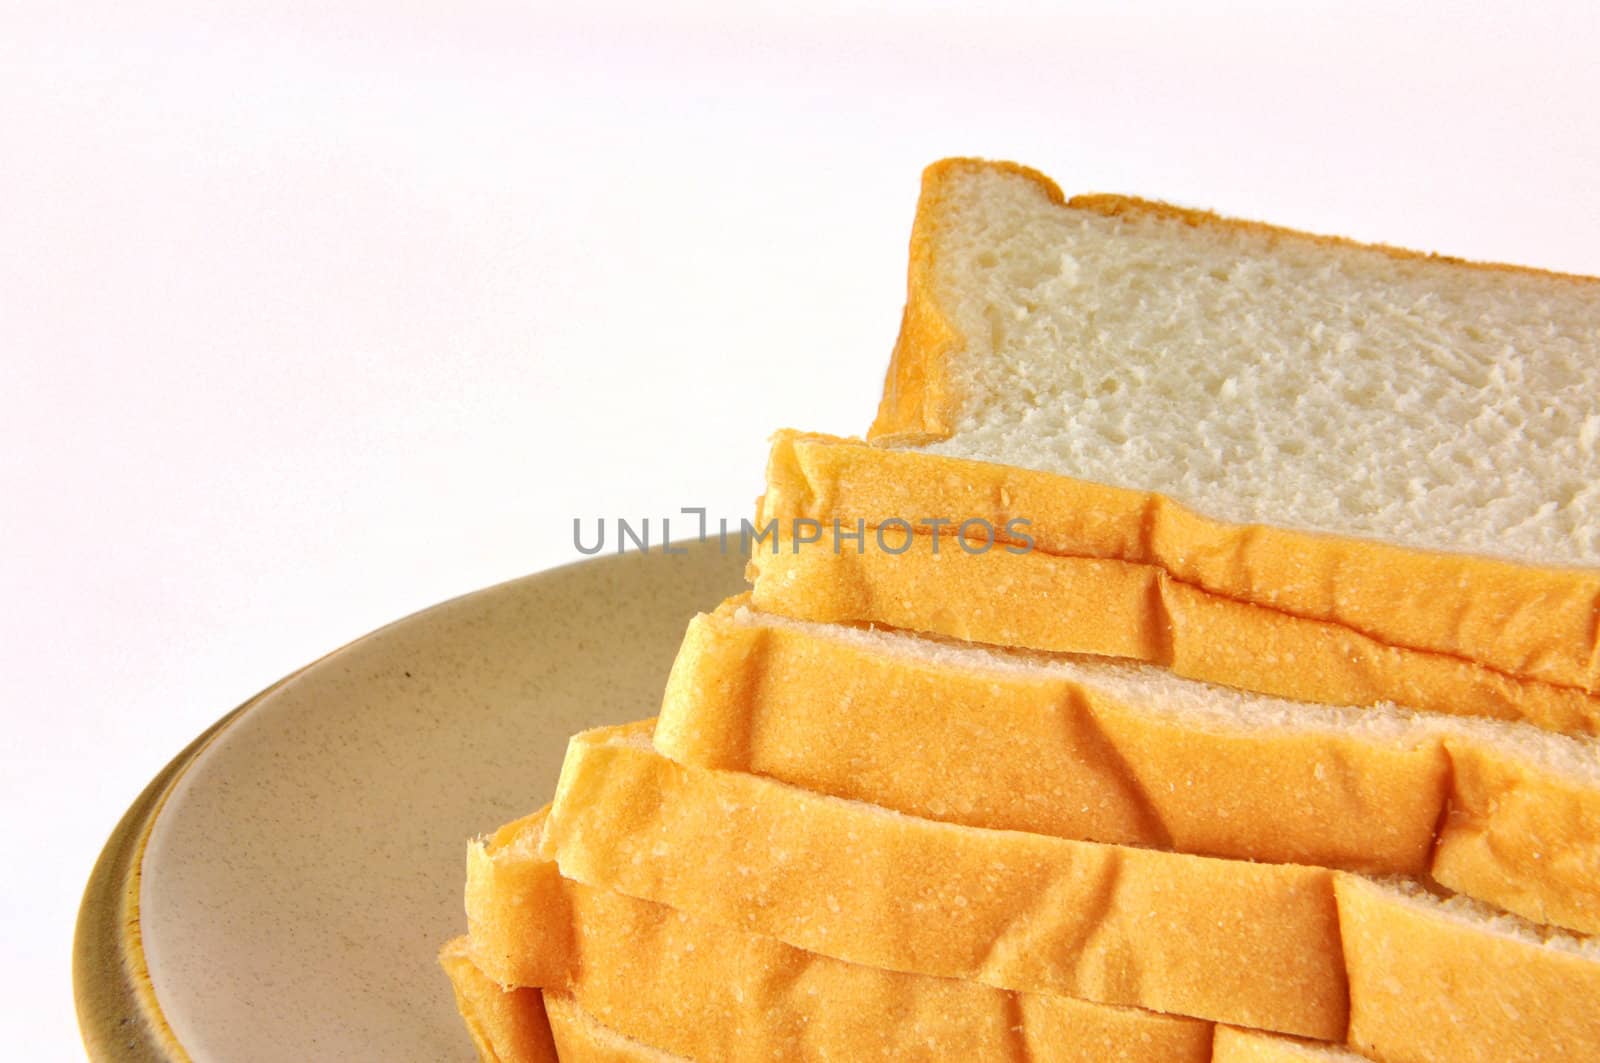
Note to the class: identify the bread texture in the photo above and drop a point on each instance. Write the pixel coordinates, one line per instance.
(519, 909)
(1233, 1045)
(1305, 382)
(581, 1038)
(532, 1026)
(1116, 572)
(680, 982)
(1201, 661)
(1432, 981)
(584, 1039)
(1421, 976)
(1398, 444)
(506, 1025)
(1250, 944)
(1118, 752)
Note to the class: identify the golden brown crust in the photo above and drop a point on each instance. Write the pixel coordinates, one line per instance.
(583, 1039)
(506, 1025)
(1019, 749)
(1425, 986)
(1061, 1038)
(1523, 839)
(918, 403)
(1252, 944)
(683, 984)
(1016, 749)
(1444, 632)
(1422, 984)
(524, 944)
(1132, 207)
(1115, 609)
(1232, 1045)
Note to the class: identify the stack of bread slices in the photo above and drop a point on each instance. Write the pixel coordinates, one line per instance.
(1199, 661)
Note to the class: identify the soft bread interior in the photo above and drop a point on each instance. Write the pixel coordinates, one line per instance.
(1475, 915)
(1265, 377)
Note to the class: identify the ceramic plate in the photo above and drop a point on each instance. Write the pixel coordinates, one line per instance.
(280, 891)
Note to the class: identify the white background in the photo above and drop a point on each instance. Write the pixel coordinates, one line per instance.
(313, 315)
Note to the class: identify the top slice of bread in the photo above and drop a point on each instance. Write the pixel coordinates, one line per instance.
(1255, 374)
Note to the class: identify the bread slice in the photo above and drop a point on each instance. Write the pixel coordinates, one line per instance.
(1443, 402)
(1109, 751)
(519, 909)
(506, 1025)
(517, 1026)
(1402, 446)
(682, 983)
(533, 1026)
(501, 1021)
(1252, 1046)
(1250, 944)
(1438, 980)
(1256, 375)
(1247, 944)
(582, 1038)
(1118, 573)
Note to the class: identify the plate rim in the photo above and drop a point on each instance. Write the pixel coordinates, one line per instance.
(119, 1014)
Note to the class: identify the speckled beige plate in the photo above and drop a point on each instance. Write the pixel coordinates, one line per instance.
(280, 890)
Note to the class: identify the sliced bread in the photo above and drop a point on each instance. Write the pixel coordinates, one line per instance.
(1094, 575)
(1259, 375)
(522, 1025)
(581, 1038)
(506, 1025)
(533, 1026)
(1102, 750)
(1436, 980)
(1233, 1045)
(1253, 945)
(710, 992)
(1250, 944)
(1401, 446)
